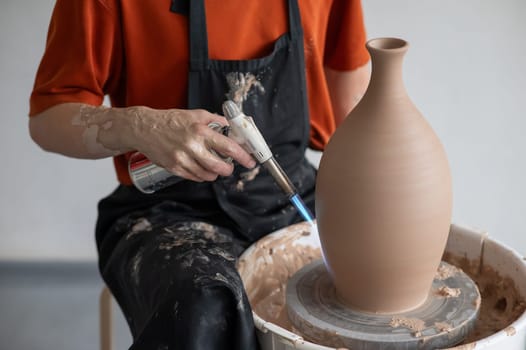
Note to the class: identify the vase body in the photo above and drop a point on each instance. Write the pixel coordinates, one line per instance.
(383, 195)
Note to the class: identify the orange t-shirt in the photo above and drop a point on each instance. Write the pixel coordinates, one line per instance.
(137, 52)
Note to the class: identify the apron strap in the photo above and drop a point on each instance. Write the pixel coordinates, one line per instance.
(198, 36)
(199, 58)
(295, 28)
(180, 6)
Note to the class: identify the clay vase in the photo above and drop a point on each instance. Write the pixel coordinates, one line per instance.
(383, 195)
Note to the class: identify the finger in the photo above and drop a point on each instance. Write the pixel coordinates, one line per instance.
(224, 145)
(194, 173)
(199, 149)
(191, 168)
(208, 160)
(181, 172)
(229, 148)
(215, 164)
(207, 117)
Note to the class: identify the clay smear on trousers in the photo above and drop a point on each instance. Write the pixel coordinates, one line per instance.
(135, 266)
(197, 244)
(247, 176)
(138, 226)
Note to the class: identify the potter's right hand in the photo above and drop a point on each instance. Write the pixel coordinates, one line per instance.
(178, 140)
(181, 142)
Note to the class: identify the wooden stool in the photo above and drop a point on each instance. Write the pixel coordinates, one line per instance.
(106, 319)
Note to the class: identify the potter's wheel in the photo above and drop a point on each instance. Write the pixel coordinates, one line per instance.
(443, 320)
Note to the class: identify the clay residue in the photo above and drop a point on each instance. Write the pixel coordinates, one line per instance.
(222, 253)
(501, 303)
(136, 264)
(510, 331)
(446, 271)
(176, 308)
(413, 324)
(275, 260)
(266, 273)
(443, 327)
(240, 85)
(140, 225)
(94, 119)
(318, 336)
(447, 292)
(469, 346)
(195, 247)
(182, 234)
(245, 177)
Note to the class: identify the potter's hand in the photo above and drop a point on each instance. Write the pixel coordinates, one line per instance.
(178, 140)
(181, 142)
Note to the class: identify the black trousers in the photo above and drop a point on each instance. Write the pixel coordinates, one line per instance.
(176, 281)
(169, 258)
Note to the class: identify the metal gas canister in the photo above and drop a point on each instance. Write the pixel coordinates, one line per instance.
(148, 177)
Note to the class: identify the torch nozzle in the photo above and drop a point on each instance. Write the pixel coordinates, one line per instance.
(245, 132)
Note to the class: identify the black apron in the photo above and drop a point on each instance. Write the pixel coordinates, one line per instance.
(280, 112)
(165, 251)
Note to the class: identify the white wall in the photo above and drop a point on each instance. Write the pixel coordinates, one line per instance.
(47, 202)
(465, 70)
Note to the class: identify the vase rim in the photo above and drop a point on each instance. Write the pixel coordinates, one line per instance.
(387, 44)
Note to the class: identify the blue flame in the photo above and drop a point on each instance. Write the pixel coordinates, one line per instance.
(302, 208)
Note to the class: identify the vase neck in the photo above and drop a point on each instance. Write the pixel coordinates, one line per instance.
(387, 55)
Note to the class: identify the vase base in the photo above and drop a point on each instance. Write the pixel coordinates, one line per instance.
(445, 318)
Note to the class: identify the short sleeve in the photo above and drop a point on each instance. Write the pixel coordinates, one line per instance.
(346, 36)
(82, 57)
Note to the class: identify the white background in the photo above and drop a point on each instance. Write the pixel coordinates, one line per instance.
(465, 70)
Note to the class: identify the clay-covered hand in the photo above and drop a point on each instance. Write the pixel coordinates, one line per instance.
(178, 140)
